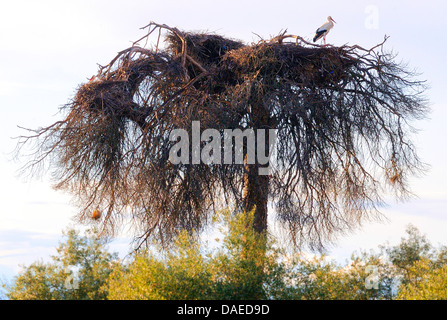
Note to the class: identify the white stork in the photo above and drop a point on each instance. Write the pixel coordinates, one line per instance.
(324, 29)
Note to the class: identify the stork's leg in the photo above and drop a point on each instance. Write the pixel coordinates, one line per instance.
(324, 40)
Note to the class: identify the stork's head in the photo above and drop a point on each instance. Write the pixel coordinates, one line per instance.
(330, 19)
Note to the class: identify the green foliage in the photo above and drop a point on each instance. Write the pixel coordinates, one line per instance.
(320, 278)
(78, 271)
(429, 282)
(423, 268)
(251, 266)
(245, 265)
(409, 251)
(178, 274)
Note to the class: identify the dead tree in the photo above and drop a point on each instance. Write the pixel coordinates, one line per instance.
(342, 116)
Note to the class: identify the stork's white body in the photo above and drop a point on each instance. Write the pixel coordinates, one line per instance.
(324, 30)
(326, 27)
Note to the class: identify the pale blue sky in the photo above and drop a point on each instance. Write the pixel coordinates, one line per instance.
(48, 48)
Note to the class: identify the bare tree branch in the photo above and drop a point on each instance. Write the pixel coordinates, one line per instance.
(343, 117)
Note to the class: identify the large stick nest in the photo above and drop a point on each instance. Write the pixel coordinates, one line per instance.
(215, 64)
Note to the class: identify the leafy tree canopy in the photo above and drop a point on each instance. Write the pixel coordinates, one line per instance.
(77, 272)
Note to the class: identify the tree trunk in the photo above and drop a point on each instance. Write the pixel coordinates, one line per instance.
(256, 186)
(255, 194)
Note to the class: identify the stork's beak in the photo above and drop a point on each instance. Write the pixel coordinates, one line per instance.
(333, 20)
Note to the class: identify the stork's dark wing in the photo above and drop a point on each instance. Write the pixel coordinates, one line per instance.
(319, 33)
